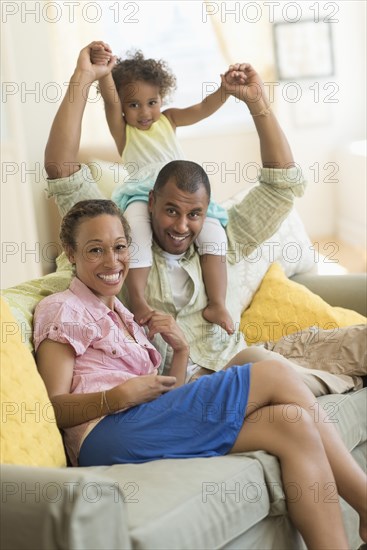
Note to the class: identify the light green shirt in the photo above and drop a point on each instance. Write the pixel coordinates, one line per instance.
(251, 222)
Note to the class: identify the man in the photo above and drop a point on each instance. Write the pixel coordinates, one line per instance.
(178, 205)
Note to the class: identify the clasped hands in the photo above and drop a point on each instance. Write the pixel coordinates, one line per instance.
(240, 80)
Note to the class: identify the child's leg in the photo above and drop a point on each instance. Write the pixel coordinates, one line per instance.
(214, 269)
(141, 257)
(284, 419)
(215, 279)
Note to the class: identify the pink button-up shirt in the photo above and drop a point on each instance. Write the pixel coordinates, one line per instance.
(105, 357)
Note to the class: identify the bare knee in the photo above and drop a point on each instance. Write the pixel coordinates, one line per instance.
(252, 354)
(296, 426)
(274, 383)
(277, 370)
(285, 430)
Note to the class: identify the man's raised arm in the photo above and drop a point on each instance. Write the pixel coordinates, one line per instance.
(243, 82)
(64, 140)
(260, 213)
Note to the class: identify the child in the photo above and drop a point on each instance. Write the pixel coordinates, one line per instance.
(145, 137)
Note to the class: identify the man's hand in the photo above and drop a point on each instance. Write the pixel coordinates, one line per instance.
(242, 81)
(101, 53)
(96, 71)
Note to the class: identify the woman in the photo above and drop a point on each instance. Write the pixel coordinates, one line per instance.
(100, 370)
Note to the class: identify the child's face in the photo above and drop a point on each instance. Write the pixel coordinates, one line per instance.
(141, 104)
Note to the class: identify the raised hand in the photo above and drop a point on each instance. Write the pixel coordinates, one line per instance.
(242, 81)
(101, 53)
(85, 64)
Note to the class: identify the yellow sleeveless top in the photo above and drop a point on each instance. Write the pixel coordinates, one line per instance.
(158, 144)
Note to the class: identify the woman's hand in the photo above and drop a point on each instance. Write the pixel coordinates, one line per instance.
(165, 325)
(148, 387)
(139, 389)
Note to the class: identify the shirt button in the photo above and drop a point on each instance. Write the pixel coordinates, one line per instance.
(55, 327)
(114, 352)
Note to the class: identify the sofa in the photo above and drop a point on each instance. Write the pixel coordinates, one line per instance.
(229, 502)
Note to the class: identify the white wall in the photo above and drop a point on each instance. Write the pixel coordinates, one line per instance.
(27, 220)
(330, 114)
(351, 213)
(39, 52)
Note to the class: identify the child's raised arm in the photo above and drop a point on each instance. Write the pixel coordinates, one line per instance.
(199, 111)
(100, 55)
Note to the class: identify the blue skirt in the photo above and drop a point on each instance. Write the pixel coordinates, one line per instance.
(199, 419)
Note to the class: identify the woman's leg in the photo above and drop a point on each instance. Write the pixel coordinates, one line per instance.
(304, 467)
(253, 354)
(301, 423)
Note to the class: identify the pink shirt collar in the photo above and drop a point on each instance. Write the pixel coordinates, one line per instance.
(95, 306)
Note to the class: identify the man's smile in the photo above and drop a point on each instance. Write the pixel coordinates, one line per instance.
(178, 237)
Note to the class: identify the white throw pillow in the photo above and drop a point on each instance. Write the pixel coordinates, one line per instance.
(107, 175)
(290, 246)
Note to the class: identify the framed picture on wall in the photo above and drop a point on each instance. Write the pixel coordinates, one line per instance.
(303, 50)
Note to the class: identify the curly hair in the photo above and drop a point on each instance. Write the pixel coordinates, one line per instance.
(135, 67)
(85, 210)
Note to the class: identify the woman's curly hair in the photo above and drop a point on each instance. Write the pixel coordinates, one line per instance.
(135, 67)
(87, 209)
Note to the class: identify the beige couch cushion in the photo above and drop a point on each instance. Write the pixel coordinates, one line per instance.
(191, 503)
(60, 508)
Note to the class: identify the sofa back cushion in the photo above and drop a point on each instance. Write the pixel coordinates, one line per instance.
(29, 434)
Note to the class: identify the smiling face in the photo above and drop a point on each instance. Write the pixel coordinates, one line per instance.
(141, 104)
(177, 216)
(101, 256)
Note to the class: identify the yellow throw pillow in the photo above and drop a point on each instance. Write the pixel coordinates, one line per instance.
(29, 435)
(281, 307)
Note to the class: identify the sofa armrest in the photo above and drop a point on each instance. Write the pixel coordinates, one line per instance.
(348, 291)
(49, 508)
